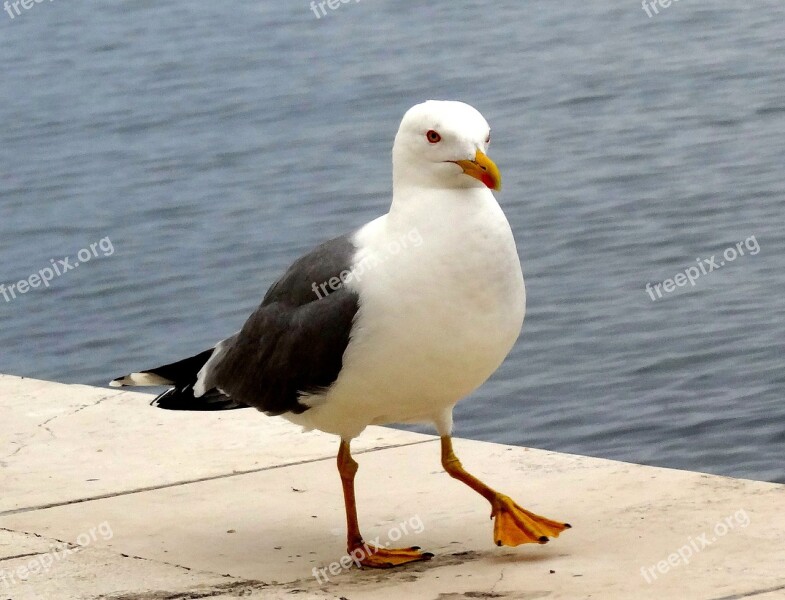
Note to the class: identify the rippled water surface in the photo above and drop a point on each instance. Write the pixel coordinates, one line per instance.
(212, 143)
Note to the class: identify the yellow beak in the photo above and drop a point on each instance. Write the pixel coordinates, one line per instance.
(482, 168)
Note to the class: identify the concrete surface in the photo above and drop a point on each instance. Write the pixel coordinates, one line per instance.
(102, 496)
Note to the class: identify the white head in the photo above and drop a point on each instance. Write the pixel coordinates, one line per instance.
(442, 144)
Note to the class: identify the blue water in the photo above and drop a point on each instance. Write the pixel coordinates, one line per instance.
(213, 143)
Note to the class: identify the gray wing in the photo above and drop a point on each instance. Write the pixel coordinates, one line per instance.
(294, 342)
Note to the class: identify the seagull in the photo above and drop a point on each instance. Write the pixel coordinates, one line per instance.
(392, 323)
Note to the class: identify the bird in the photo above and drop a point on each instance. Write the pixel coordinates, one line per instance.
(394, 322)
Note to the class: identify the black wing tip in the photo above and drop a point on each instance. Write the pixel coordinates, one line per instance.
(184, 399)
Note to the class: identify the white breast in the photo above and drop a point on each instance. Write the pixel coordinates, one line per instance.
(442, 301)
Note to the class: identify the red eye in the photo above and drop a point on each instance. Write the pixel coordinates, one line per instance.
(433, 137)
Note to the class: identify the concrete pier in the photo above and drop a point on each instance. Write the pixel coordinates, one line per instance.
(102, 496)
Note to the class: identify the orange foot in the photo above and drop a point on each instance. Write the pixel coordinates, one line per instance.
(368, 555)
(515, 525)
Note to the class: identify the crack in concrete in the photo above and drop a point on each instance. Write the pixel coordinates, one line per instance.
(164, 486)
(171, 564)
(236, 588)
(73, 546)
(47, 538)
(751, 594)
(15, 556)
(498, 581)
(21, 445)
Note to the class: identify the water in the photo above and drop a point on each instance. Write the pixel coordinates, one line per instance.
(214, 143)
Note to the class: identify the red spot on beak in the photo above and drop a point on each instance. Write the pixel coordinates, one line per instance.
(488, 181)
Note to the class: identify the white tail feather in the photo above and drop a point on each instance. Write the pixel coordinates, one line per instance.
(140, 379)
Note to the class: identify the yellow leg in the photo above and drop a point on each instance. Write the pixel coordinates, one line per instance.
(366, 554)
(513, 525)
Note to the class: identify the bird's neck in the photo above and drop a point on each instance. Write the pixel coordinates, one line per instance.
(414, 204)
